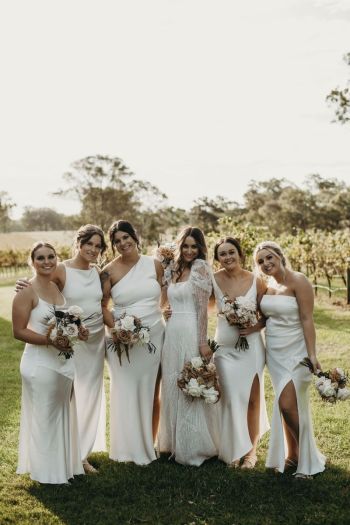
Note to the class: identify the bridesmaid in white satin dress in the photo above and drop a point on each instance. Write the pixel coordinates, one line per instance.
(188, 428)
(290, 337)
(243, 416)
(49, 443)
(78, 279)
(134, 283)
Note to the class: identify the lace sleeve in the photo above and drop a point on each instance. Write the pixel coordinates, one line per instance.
(201, 282)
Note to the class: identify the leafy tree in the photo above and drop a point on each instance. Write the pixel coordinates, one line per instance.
(42, 219)
(108, 190)
(206, 212)
(6, 206)
(340, 99)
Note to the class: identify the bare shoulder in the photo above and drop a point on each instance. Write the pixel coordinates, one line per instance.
(25, 296)
(158, 265)
(219, 275)
(299, 279)
(261, 285)
(107, 271)
(59, 275)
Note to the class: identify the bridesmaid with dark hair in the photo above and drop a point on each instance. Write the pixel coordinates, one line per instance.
(134, 283)
(242, 406)
(188, 429)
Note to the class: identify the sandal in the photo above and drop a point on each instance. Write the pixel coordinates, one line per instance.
(249, 462)
(234, 464)
(89, 469)
(303, 476)
(290, 464)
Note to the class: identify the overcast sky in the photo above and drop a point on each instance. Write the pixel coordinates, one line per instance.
(197, 96)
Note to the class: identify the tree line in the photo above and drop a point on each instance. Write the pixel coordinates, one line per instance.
(107, 189)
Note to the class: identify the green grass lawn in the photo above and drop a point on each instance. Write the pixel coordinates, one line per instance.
(167, 493)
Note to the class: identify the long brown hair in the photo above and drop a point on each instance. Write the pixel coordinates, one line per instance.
(198, 236)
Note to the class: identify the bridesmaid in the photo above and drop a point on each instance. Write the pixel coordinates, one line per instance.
(134, 283)
(78, 279)
(188, 429)
(290, 337)
(48, 443)
(242, 405)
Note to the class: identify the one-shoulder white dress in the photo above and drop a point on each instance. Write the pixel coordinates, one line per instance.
(133, 384)
(48, 440)
(286, 348)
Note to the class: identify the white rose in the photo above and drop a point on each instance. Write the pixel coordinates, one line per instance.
(75, 311)
(196, 362)
(320, 383)
(343, 393)
(329, 391)
(194, 389)
(210, 395)
(144, 336)
(128, 323)
(211, 367)
(226, 307)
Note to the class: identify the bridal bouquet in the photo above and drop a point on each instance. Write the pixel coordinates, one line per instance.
(240, 312)
(331, 385)
(128, 331)
(165, 253)
(66, 327)
(199, 379)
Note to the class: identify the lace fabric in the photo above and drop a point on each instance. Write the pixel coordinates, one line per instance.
(201, 284)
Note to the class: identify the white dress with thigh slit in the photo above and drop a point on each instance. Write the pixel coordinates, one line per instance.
(237, 370)
(286, 348)
(133, 383)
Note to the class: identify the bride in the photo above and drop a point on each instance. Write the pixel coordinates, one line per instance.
(187, 428)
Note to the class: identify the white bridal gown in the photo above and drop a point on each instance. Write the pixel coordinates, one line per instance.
(237, 370)
(83, 288)
(133, 384)
(285, 346)
(188, 428)
(48, 440)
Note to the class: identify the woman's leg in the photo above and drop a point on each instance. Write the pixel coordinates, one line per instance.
(253, 417)
(290, 417)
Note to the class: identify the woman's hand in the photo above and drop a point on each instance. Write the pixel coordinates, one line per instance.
(21, 283)
(249, 330)
(167, 312)
(205, 352)
(83, 333)
(317, 367)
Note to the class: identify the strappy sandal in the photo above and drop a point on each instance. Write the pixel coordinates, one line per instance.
(234, 464)
(89, 469)
(249, 462)
(290, 464)
(303, 476)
